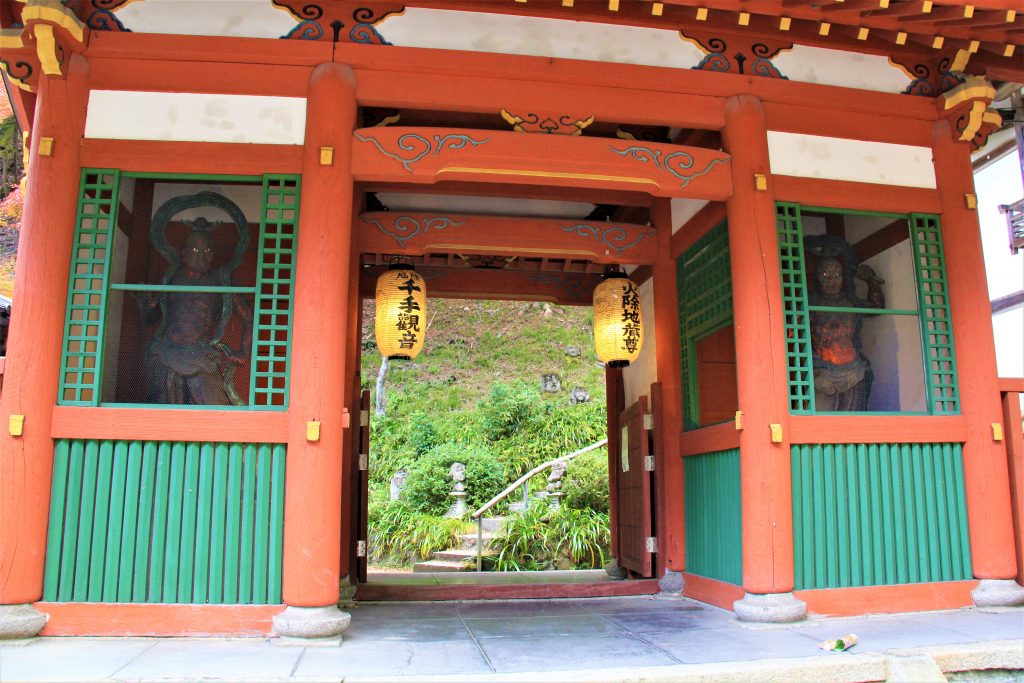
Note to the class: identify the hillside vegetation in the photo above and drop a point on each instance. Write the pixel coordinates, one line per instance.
(474, 395)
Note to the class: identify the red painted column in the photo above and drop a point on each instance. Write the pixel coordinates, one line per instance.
(985, 466)
(313, 488)
(32, 374)
(668, 474)
(760, 355)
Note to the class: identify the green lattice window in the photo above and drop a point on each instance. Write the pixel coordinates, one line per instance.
(866, 313)
(934, 302)
(705, 328)
(87, 286)
(182, 291)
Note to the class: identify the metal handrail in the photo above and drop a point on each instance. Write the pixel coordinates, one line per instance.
(521, 481)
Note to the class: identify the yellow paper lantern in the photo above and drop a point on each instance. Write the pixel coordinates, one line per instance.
(618, 322)
(401, 322)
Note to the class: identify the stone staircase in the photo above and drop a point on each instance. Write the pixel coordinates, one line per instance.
(463, 558)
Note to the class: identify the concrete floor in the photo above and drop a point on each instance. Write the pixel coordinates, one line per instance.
(599, 639)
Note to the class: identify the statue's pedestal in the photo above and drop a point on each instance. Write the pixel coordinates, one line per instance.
(458, 508)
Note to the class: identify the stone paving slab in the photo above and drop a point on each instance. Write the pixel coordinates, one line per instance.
(602, 639)
(509, 655)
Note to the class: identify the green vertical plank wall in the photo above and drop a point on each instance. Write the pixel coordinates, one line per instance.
(704, 280)
(878, 514)
(136, 521)
(714, 522)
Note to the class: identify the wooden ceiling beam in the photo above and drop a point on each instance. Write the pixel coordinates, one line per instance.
(569, 289)
(419, 234)
(857, 6)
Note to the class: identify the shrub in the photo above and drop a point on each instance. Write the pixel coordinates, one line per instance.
(429, 483)
(423, 434)
(508, 409)
(538, 539)
(585, 483)
(399, 536)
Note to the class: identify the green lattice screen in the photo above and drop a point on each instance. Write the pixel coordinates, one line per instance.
(704, 279)
(794, 305)
(937, 331)
(274, 291)
(87, 287)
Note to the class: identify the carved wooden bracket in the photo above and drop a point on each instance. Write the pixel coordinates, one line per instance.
(566, 124)
(49, 32)
(966, 106)
(99, 15)
(339, 21)
(737, 53)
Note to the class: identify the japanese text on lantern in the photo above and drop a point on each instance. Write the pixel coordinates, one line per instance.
(630, 317)
(408, 321)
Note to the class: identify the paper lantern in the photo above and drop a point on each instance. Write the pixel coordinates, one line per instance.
(618, 323)
(401, 313)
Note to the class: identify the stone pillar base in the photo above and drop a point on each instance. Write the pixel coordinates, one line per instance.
(21, 621)
(671, 584)
(998, 593)
(346, 594)
(614, 571)
(305, 626)
(770, 608)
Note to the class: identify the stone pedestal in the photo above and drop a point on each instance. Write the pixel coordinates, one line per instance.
(311, 626)
(998, 593)
(614, 571)
(671, 584)
(20, 621)
(770, 608)
(458, 508)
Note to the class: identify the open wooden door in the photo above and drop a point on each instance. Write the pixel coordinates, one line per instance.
(635, 521)
(364, 482)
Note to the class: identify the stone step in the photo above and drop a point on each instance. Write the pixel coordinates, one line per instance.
(492, 524)
(432, 566)
(459, 555)
(469, 540)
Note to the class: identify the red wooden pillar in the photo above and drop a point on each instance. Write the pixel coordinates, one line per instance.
(760, 362)
(668, 473)
(986, 474)
(313, 505)
(32, 372)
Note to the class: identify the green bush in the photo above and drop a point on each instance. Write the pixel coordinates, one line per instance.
(423, 434)
(400, 536)
(539, 539)
(508, 409)
(429, 483)
(585, 483)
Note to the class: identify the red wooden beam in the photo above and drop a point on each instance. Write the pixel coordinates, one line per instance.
(426, 155)
(568, 289)
(393, 232)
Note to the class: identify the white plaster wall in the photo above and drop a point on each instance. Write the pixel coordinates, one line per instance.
(1001, 183)
(638, 377)
(815, 156)
(506, 34)
(195, 117)
(841, 68)
(241, 18)
(685, 209)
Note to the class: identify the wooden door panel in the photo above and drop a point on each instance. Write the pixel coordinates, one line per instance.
(364, 480)
(634, 492)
